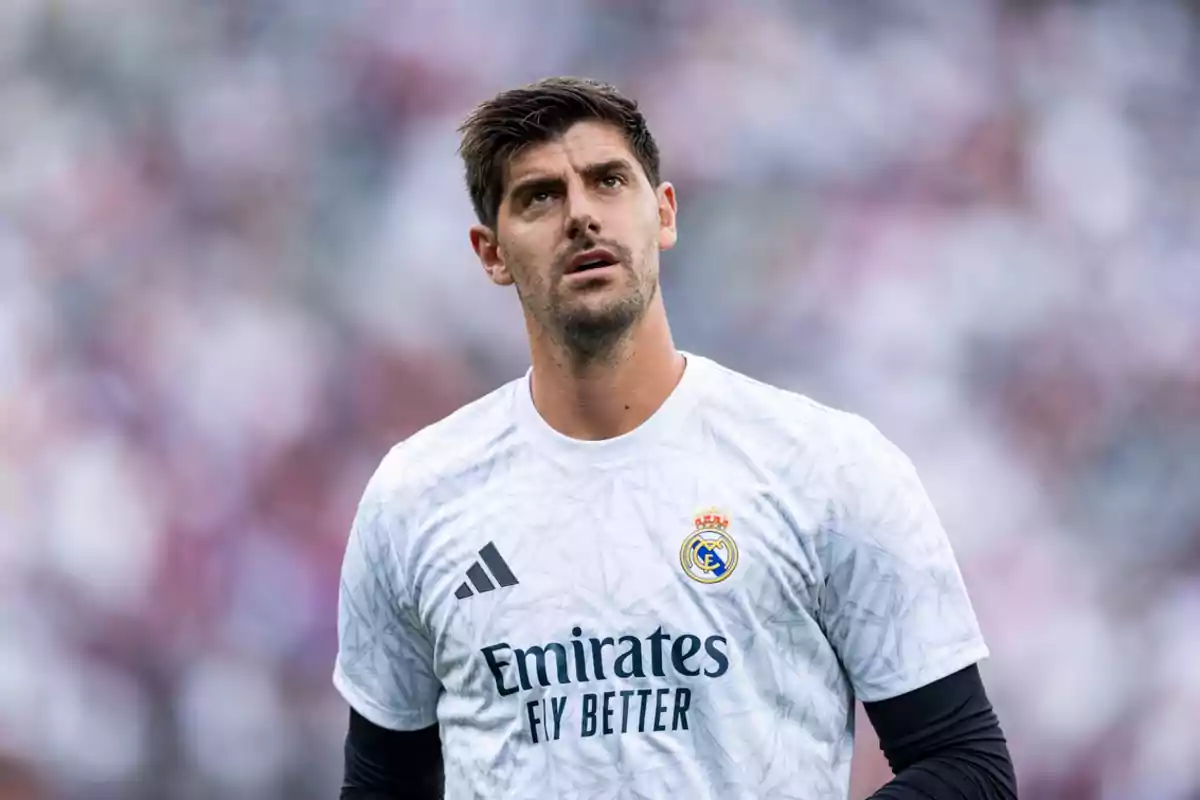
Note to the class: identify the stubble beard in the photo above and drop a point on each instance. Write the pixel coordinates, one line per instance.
(591, 335)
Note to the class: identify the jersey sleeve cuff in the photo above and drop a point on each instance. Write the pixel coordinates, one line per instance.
(903, 681)
(372, 711)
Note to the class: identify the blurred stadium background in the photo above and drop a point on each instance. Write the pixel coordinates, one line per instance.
(234, 269)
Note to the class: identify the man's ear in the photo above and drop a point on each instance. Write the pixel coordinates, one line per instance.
(486, 245)
(667, 234)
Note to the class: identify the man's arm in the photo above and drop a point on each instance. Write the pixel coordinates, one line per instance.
(383, 764)
(385, 665)
(944, 741)
(894, 606)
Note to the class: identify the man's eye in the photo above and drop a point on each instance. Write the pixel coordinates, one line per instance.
(539, 197)
(612, 181)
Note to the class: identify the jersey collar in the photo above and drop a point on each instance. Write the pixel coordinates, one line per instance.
(634, 444)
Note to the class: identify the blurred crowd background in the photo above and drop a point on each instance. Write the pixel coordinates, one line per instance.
(234, 269)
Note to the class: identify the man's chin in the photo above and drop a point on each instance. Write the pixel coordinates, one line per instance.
(599, 320)
(593, 327)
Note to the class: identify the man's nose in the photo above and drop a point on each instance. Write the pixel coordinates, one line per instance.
(581, 214)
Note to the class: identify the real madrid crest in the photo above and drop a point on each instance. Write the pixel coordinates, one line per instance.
(709, 554)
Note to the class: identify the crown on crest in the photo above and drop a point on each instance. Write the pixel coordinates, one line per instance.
(711, 519)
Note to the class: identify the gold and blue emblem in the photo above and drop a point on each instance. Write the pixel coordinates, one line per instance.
(709, 554)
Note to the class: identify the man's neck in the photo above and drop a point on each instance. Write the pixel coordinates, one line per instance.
(611, 395)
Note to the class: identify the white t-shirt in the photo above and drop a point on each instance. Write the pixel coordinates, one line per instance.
(685, 611)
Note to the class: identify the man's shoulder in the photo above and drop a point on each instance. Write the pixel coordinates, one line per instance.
(794, 436)
(753, 404)
(449, 451)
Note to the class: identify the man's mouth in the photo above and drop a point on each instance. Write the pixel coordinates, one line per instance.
(591, 260)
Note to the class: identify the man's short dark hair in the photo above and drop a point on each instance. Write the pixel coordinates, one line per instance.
(500, 128)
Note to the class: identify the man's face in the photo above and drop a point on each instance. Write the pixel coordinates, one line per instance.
(580, 198)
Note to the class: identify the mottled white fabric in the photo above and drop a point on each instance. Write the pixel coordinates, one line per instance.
(692, 607)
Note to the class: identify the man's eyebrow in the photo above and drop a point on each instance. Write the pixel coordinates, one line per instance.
(606, 167)
(546, 182)
(537, 183)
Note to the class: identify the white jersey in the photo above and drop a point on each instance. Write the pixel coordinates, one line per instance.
(688, 610)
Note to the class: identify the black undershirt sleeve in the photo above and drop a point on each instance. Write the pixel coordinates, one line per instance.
(944, 742)
(382, 764)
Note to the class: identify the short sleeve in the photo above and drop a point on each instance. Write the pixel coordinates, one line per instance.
(384, 666)
(894, 605)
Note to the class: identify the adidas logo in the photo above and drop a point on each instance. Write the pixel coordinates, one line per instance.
(478, 576)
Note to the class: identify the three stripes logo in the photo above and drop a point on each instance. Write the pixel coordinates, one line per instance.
(479, 578)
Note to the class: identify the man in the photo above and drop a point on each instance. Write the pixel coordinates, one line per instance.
(634, 572)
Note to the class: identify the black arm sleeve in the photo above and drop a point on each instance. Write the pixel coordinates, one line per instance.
(391, 765)
(943, 742)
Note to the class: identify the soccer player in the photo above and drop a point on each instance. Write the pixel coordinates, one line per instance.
(634, 572)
